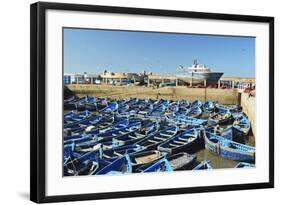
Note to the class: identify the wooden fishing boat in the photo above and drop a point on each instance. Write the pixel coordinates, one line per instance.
(108, 123)
(203, 165)
(151, 142)
(184, 103)
(196, 103)
(117, 131)
(137, 135)
(78, 163)
(208, 106)
(145, 109)
(227, 148)
(242, 123)
(157, 111)
(79, 126)
(195, 112)
(231, 108)
(233, 133)
(78, 117)
(91, 106)
(94, 119)
(145, 157)
(101, 103)
(184, 120)
(181, 161)
(88, 124)
(77, 138)
(115, 152)
(244, 165)
(67, 151)
(70, 99)
(185, 141)
(123, 108)
(161, 165)
(182, 110)
(107, 130)
(112, 107)
(222, 117)
(88, 146)
(121, 165)
(68, 115)
(70, 104)
(173, 107)
(161, 102)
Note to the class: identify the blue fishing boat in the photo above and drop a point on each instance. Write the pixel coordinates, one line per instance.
(121, 165)
(68, 150)
(161, 165)
(233, 133)
(91, 106)
(185, 141)
(181, 161)
(184, 119)
(79, 116)
(145, 157)
(195, 112)
(204, 165)
(242, 123)
(89, 146)
(115, 152)
(117, 132)
(111, 108)
(94, 119)
(108, 123)
(208, 106)
(184, 103)
(196, 103)
(151, 142)
(173, 107)
(70, 104)
(137, 135)
(70, 99)
(244, 165)
(231, 108)
(87, 124)
(77, 138)
(123, 108)
(227, 148)
(221, 117)
(157, 111)
(101, 103)
(182, 110)
(68, 115)
(77, 163)
(161, 102)
(145, 109)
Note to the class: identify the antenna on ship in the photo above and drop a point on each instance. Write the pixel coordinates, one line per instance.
(195, 62)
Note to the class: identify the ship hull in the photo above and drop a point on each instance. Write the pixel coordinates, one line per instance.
(196, 78)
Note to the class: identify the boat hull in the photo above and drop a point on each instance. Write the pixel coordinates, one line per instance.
(196, 78)
(216, 146)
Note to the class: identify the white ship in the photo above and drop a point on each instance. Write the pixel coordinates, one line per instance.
(198, 73)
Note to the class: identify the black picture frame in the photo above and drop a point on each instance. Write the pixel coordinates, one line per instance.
(38, 100)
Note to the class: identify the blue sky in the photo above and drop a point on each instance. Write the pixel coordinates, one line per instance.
(92, 51)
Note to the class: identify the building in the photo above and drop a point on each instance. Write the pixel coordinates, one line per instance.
(74, 78)
(109, 77)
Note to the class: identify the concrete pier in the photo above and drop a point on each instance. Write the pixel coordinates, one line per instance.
(249, 108)
(224, 96)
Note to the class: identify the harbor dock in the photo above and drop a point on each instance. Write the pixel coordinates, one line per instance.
(228, 96)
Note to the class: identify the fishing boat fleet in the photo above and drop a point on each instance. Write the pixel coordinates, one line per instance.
(120, 136)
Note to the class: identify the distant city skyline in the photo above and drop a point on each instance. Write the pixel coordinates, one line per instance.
(93, 51)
